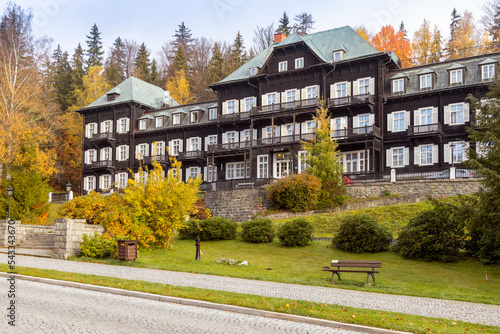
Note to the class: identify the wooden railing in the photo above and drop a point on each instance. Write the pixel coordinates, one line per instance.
(352, 133)
(155, 158)
(284, 106)
(191, 155)
(350, 100)
(416, 130)
(103, 136)
(102, 164)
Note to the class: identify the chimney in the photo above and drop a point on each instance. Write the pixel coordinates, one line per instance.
(279, 37)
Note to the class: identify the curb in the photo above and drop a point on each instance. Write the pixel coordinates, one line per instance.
(205, 304)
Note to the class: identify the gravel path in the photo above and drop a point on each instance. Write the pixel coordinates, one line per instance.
(448, 309)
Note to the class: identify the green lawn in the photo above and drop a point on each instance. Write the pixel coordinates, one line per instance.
(464, 280)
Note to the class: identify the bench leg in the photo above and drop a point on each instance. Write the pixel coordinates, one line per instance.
(368, 278)
(333, 275)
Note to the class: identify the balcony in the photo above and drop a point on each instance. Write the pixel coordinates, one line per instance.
(227, 147)
(191, 155)
(357, 133)
(105, 164)
(292, 139)
(161, 159)
(234, 117)
(285, 106)
(423, 130)
(106, 136)
(350, 101)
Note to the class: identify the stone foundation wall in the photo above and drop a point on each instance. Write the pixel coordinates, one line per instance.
(22, 231)
(237, 204)
(69, 235)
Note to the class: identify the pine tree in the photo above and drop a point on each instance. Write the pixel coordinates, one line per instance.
(183, 37)
(216, 65)
(94, 52)
(180, 60)
(142, 63)
(154, 75)
(61, 75)
(284, 27)
(77, 63)
(116, 63)
(238, 53)
(403, 30)
(451, 45)
(436, 46)
(304, 23)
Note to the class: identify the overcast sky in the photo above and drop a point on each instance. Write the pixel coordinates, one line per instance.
(154, 22)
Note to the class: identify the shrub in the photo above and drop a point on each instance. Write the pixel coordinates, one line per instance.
(360, 234)
(98, 246)
(431, 235)
(295, 192)
(257, 230)
(297, 232)
(213, 228)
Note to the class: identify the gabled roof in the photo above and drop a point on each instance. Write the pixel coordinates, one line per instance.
(456, 66)
(322, 44)
(488, 61)
(133, 90)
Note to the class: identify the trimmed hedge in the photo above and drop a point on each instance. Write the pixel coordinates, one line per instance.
(258, 230)
(360, 234)
(296, 233)
(213, 228)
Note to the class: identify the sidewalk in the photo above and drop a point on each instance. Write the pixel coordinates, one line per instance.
(429, 307)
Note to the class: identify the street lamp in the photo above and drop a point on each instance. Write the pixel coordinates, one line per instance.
(68, 186)
(452, 146)
(10, 192)
(70, 193)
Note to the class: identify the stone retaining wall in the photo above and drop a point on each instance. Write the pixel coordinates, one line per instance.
(22, 231)
(69, 235)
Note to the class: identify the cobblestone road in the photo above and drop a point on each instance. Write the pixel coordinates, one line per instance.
(44, 308)
(470, 312)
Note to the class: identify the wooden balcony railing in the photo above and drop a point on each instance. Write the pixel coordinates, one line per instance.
(285, 106)
(102, 136)
(352, 133)
(417, 130)
(234, 117)
(350, 100)
(102, 164)
(155, 158)
(191, 155)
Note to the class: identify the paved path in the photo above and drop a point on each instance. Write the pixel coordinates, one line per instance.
(470, 312)
(81, 311)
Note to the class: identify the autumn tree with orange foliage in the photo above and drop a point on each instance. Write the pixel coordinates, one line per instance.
(389, 40)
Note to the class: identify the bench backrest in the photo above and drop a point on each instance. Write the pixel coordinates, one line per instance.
(357, 264)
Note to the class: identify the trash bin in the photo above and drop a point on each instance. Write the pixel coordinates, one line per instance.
(127, 250)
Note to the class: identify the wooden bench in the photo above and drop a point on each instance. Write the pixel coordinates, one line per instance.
(338, 266)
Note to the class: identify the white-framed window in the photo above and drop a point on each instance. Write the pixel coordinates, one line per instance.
(299, 62)
(354, 161)
(362, 122)
(338, 126)
(487, 72)
(107, 126)
(311, 92)
(290, 95)
(210, 140)
(248, 103)
(337, 55)
(212, 173)
(310, 127)
(283, 66)
(176, 173)
(398, 121)
(175, 147)
(123, 125)
(397, 157)
(364, 86)
(456, 113)
(272, 98)
(245, 135)
(398, 85)
(106, 154)
(121, 180)
(176, 119)
(194, 144)
(425, 81)
(194, 117)
(192, 172)
(253, 71)
(236, 170)
(282, 165)
(122, 153)
(142, 124)
(90, 130)
(105, 182)
(231, 107)
(142, 150)
(142, 177)
(263, 166)
(158, 122)
(302, 163)
(426, 155)
(90, 156)
(212, 113)
(456, 152)
(158, 148)
(89, 183)
(456, 76)
(425, 117)
(341, 89)
(231, 137)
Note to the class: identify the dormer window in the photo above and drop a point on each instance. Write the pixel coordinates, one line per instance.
(158, 122)
(212, 113)
(425, 81)
(283, 66)
(299, 63)
(488, 72)
(398, 86)
(456, 77)
(113, 96)
(194, 117)
(253, 71)
(142, 124)
(176, 119)
(338, 55)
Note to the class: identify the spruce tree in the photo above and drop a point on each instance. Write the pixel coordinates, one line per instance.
(77, 62)
(183, 37)
(216, 65)
(95, 51)
(142, 63)
(238, 53)
(180, 60)
(116, 63)
(61, 75)
(284, 26)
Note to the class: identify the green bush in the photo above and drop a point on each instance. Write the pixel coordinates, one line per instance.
(295, 192)
(431, 235)
(360, 234)
(258, 230)
(98, 246)
(213, 228)
(297, 232)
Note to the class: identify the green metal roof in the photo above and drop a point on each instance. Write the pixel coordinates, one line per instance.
(133, 90)
(322, 43)
(488, 61)
(456, 66)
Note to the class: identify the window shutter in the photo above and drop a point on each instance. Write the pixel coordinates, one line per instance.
(117, 153)
(264, 99)
(170, 147)
(137, 153)
(407, 119)
(100, 181)
(466, 151)
(390, 123)
(236, 106)
(128, 124)
(188, 145)
(406, 156)
(447, 115)
(181, 144)
(127, 152)
(118, 126)
(355, 122)
(277, 98)
(355, 88)
(388, 158)
(332, 123)
(254, 134)
(242, 105)
(372, 119)
(101, 127)
(87, 127)
(434, 115)
(303, 128)
(237, 137)
(283, 96)
(206, 144)
(224, 108)
(147, 150)
(348, 88)
(111, 126)
(466, 112)
(86, 158)
(254, 102)
(416, 117)
(372, 86)
(102, 154)
(86, 183)
(303, 95)
(224, 138)
(435, 154)
(332, 91)
(447, 152)
(95, 155)
(416, 155)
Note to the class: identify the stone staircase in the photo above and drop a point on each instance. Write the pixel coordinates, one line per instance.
(38, 241)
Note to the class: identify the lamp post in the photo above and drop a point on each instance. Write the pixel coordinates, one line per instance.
(68, 190)
(452, 169)
(10, 192)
